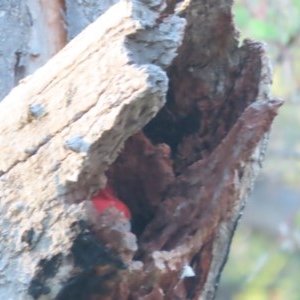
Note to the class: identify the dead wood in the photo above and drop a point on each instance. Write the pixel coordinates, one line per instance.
(61, 128)
(185, 175)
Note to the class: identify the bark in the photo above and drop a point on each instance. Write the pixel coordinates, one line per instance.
(13, 43)
(180, 141)
(32, 32)
(71, 120)
(81, 13)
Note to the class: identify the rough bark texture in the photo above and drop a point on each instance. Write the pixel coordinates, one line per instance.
(63, 127)
(185, 175)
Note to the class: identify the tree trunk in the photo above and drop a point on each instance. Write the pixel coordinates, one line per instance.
(159, 101)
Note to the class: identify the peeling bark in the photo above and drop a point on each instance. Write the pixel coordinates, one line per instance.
(72, 119)
(48, 31)
(180, 141)
(56, 24)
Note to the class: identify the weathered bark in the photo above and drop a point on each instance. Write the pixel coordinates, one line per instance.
(32, 32)
(13, 43)
(81, 13)
(185, 175)
(63, 127)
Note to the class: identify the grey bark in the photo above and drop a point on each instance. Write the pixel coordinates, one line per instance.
(15, 25)
(24, 41)
(81, 13)
(66, 125)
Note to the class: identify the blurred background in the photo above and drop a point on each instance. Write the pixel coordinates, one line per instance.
(264, 261)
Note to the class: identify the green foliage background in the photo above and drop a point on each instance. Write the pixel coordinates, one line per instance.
(264, 262)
